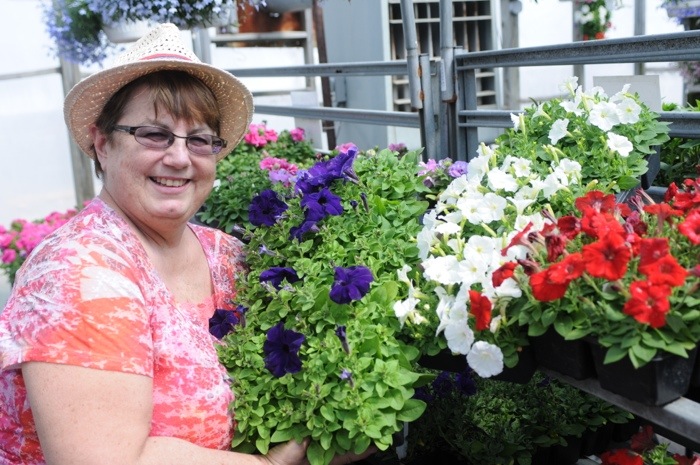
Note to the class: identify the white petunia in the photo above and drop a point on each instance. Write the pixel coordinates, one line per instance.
(619, 144)
(492, 208)
(558, 130)
(444, 270)
(499, 179)
(404, 308)
(539, 111)
(477, 169)
(485, 359)
(517, 121)
(551, 185)
(522, 167)
(486, 150)
(570, 84)
(425, 240)
(570, 167)
(449, 228)
(459, 335)
(604, 115)
(628, 111)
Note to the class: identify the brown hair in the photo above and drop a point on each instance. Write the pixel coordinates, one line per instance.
(174, 92)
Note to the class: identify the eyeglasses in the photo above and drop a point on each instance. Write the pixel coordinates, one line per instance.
(160, 138)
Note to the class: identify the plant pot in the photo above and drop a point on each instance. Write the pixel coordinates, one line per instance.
(286, 6)
(594, 442)
(127, 31)
(567, 454)
(446, 361)
(570, 358)
(683, 9)
(664, 379)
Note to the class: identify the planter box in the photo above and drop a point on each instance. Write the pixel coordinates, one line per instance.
(570, 358)
(664, 379)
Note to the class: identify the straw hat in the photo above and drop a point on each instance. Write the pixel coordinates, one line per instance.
(161, 49)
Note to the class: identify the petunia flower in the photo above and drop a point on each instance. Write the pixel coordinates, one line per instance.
(266, 208)
(222, 321)
(277, 274)
(320, 204)
(281, 350)
(485, 359)
(350, 284)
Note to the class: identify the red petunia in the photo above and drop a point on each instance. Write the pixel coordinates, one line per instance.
(663, 211)
(555, 246)
(504, 272)
(517, 239)
(569, 268)
(690, 227)
(480, 307)
(597, 224)
(643, 440)
(569, 226)
(607, 258)
(545, 289)
(596, 200)
(653, 249)
(621, 457)
(683, 460)
(665, 270)
(649, 303)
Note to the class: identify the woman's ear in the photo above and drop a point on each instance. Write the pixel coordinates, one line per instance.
(99, 140)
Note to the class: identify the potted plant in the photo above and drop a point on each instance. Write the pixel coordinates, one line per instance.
(477, 420)
(22, 236)
(643, 449)
(625, 275)
(463, 288)
(593, 17)
(319, 354)
(78, 26)
(263, 158)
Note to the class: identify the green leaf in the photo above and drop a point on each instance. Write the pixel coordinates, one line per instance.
(413, 409)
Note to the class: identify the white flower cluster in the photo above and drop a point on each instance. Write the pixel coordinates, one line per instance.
(600, 111)
(462, 241)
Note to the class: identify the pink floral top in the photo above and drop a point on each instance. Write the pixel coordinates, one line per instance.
(89, 296)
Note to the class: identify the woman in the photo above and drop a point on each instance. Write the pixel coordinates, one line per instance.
(106, 354)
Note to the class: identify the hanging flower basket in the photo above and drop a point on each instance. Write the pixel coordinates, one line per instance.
(682, 8)
(126, 31)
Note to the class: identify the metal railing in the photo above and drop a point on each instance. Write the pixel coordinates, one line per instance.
(682, 46)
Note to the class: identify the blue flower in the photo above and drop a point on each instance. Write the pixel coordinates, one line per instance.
(297, 232)
(458, 168)
(266, 208)
(223, 321)
(320, 204)
(323, 173)
(465, 383)
(282, 350)
(340, 332)
(346, 375)
(350, 284)
(277, 274)
(442, 384)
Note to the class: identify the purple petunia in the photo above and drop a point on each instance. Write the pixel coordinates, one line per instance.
(342, 335)
(350, 284)
(222, 321)
(323, 173)
(297, 232)
(320, 204)
(277, 274)
(282, 350)
(266, 208)
(458, 168)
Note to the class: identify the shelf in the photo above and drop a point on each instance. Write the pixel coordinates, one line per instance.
(678, 420)
(253, 37)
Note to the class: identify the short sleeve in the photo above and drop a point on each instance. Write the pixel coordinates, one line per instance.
(76, 301)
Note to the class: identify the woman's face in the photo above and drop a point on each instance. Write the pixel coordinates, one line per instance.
(155, 188)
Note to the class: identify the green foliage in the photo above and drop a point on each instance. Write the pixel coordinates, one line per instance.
(337, 414)
(505, 423)
(680, 157)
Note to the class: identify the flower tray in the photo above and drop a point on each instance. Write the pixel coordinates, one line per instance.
(664, 379)
(570, 358)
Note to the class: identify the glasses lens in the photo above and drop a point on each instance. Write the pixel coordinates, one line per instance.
(205, 144)
(155, 138)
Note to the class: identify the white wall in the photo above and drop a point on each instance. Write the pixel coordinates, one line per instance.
(34, 157)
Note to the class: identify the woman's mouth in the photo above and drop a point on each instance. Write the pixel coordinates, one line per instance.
(170, 182)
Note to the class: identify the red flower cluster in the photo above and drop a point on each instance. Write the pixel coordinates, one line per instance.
(613, 241)
(642, 446)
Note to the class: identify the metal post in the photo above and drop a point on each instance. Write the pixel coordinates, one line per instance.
(640, 14)
(82, 167)
(428, 115)
(408, 19)
(446, 75)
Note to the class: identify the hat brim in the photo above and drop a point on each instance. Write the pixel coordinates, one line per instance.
(86, 99)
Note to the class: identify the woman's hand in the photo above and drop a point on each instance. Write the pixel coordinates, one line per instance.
(294, 453)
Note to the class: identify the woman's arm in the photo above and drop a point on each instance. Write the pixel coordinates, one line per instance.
(87, 416)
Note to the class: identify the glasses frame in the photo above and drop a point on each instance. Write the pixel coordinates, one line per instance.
(132, 130)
